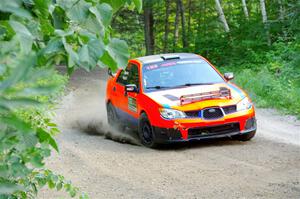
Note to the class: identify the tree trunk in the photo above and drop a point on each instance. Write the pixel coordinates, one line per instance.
(166, 36)
(263, 11)
(200, 31)
(281, 18)
(181, 9)
(148, 27)
(245, 9)
(176, 27)
(222, 16)
(189, 22)
(265, 20)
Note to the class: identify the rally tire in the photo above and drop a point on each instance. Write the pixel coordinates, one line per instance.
(245, 137)
(112, 118)
(145, 132)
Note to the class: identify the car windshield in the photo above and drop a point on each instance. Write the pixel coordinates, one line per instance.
(178, 73)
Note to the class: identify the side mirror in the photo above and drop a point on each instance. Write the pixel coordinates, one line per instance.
(131, 88)
(110, 73)
(228, 76)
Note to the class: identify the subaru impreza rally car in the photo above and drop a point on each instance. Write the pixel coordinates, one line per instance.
(178, 97)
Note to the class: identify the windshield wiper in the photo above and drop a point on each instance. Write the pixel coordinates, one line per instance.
(183, 85)
(193, 84)
(157, 87)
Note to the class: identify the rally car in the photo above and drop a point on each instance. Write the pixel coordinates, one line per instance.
(178, 97)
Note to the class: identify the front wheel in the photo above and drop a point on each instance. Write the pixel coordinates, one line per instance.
(246, 136)
(146, 132)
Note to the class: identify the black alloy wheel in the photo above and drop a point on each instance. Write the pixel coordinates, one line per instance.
(146, 132)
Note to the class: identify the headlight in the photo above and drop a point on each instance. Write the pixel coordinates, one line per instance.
(171, 113)
(244, 104)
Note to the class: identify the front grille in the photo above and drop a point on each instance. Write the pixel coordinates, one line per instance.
(214, 130)
(212, 113)
(229, 109)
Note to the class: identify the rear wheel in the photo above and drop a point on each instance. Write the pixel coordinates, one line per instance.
(246, 136)
(146, 132)
(112, 117)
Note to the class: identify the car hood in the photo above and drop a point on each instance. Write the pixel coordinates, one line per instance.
(170, 98)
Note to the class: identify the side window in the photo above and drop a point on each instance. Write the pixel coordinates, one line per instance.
(133, 77)
(123, 77)
(129, 76)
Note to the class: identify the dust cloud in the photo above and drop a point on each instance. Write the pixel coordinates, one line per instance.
(93, 127)
(83, 109)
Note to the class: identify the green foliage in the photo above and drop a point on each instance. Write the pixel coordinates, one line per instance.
(26, 131)
(73, 32)
(36, 35)
(276, 82)
(269, 72)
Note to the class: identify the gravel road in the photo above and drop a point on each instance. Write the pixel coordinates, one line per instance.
(107, 164)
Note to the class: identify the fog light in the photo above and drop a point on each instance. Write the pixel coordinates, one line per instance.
(250, 123)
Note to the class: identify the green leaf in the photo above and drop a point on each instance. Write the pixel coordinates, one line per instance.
(51, 184)
(117, 54)
(18, 102)
(37, 161)
(54, 48)
(15, 7)
(90, 53)
(107, 61)
(105, 11)
(62, 33)
(59, 18)
(138, 4)
(4, 171)
(17, 123)
(21, 70)
(84, 196)
(79, 11)
(9, 188)
(38, 90)
(43, 16)
(101, 28)
(72, 55)
(25, 132)
(53, 143)
(44, 136)
(59, 186)
(24, 36)
(115, 4)
(84, 55)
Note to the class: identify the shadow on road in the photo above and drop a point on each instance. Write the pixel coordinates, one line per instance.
(130, 137)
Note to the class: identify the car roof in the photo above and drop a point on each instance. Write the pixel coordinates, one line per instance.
(162, 57)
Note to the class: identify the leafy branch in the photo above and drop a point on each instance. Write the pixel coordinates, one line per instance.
(36, 35)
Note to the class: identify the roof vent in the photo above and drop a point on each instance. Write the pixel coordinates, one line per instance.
(170, 57)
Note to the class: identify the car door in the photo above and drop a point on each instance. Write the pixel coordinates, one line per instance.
(132, 97)
(126, 103)
(118, 92)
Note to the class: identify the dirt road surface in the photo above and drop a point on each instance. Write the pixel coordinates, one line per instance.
(107, 164)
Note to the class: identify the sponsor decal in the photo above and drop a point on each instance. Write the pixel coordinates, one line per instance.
(152, 67)
(132, 105)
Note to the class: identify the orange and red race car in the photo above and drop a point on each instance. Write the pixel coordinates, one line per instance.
(178, 97)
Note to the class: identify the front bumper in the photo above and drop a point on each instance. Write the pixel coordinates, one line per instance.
(168, 135)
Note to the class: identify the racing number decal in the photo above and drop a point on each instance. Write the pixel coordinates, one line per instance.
(132, 104)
